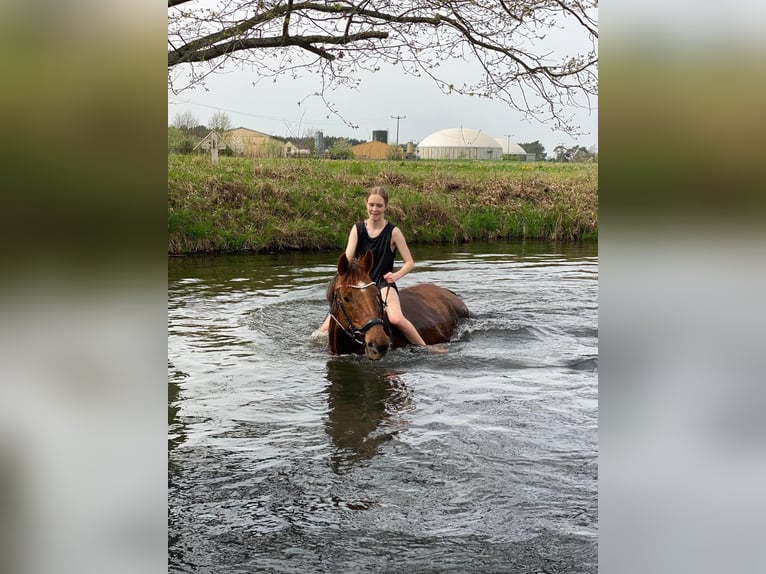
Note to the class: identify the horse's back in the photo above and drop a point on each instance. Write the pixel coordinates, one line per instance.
(433, 310)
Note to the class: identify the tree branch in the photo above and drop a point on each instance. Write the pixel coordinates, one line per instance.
(286, 25)
(305, 42)
(207, 44)
(566, 8)
(508, 11)
(504, 38)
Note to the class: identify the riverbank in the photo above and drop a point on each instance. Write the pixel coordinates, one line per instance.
(262, 205)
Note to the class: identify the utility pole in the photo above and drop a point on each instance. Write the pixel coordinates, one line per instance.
(397, 118)
(508, 149)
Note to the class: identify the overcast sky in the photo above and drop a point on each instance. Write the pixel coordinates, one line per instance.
(273, 107)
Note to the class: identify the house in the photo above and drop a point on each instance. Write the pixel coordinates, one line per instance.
(289, 149)
(247, 142)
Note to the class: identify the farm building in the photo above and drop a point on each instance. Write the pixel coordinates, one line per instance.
(244, 141)
(371, 150)
(459, 143)
(292, 150)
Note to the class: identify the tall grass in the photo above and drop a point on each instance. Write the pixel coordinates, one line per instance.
(258, 205)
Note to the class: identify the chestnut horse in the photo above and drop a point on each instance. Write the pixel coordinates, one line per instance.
(358, 322)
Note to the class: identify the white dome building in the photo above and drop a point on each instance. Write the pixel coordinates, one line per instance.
(459, 143)
(510, 148)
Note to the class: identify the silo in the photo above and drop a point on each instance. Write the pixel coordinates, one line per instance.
(318, 142)
(380, 136)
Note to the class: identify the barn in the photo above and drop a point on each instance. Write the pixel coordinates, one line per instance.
(459, 143)
(249, 142)
(371, 150)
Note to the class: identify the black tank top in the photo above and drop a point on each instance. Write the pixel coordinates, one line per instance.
(381, 251)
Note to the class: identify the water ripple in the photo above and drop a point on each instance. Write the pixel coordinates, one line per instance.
(284, 459)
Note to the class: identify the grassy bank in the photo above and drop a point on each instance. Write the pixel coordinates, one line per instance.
(246, 204)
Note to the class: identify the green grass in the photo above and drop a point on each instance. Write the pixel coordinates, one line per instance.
(259, 205)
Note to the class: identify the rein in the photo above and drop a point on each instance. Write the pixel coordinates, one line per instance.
(357, 333)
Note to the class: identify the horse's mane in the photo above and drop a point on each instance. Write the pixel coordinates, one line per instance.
(355, 269)
(354, 274)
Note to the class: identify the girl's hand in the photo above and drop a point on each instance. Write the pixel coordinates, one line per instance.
(389, 277)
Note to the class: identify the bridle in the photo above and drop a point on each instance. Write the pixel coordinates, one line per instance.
(357, 333)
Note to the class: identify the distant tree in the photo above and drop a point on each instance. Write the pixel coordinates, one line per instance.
(576, 153)
(180, 141)
(306, 142)
(199, 131)
(330, 141)
(560, 152)
(341, 149)
(185, 120)
(504, 40)
(580, 154)
(186, 146)
(536, 148)
(395, 152)
(219, 122)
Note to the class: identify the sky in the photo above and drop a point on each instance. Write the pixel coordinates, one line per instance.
(272, 107)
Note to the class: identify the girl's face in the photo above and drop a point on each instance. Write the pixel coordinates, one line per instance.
(376, 206)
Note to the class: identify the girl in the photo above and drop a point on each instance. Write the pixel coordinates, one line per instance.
(380, 236)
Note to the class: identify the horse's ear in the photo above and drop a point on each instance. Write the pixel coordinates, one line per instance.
(342, 264)
(367, 261)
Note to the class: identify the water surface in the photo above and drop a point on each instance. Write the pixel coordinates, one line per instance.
(285, 459)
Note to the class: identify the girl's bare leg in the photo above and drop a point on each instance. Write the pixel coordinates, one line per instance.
(395, 316)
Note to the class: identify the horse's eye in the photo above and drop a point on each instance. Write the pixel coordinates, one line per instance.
(347, 299)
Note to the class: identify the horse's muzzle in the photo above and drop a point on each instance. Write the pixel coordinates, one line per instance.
(376, 344)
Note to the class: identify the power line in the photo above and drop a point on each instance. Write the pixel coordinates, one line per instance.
(325, 120)
(220, 108)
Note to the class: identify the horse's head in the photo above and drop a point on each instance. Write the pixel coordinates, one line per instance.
(357, 308)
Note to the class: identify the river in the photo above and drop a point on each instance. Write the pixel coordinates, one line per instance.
(283, 458)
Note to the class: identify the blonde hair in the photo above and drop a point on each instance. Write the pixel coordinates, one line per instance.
(378, 190)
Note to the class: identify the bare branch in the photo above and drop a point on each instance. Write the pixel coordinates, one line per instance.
(305, 42)
(591, 29)
(505, 39)
(286, 25)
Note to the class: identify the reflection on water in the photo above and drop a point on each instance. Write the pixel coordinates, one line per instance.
(285, 459)
(362, 398)
(176, 434)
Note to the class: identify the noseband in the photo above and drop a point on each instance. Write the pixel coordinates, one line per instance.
(357, 333)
